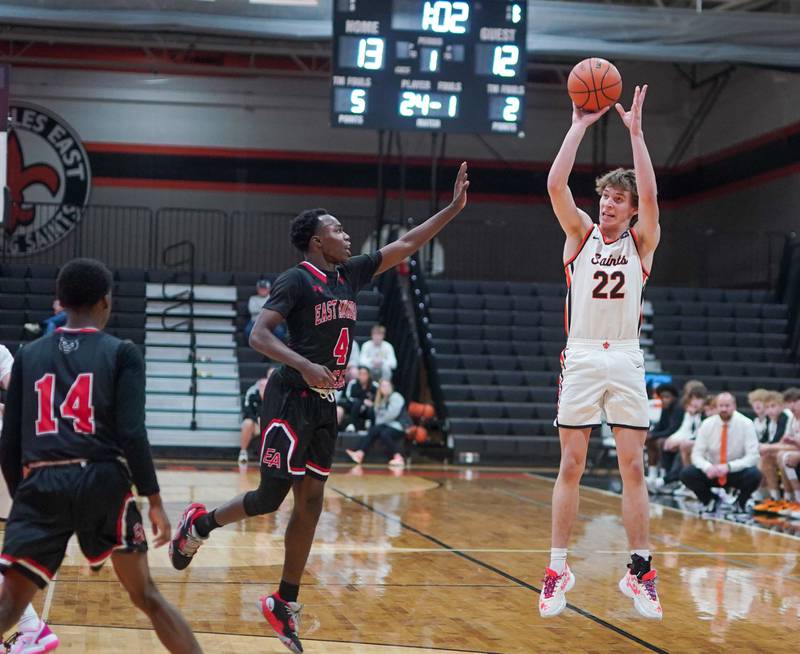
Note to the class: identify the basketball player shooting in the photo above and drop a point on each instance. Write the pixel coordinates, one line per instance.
(317, 298)
(606, 266)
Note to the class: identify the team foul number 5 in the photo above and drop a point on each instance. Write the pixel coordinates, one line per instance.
(616, 293)
(342, 347)
(77, 405)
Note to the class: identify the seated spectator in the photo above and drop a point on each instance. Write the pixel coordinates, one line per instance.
(58, 319)
(354, 407)
(251, 414)
(725, 455)
(391, 420)
(681, 443)
(378, 354)
(710, 407)
(254, 306)
(776, 418)
(772, 453)
(755, 399)
(668, 423)
(790, 467)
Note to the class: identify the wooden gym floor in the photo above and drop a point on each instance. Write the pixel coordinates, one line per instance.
(445, 560)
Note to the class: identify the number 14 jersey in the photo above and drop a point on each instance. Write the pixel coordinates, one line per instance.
(605, 282)
(77, 394)
(320, 309)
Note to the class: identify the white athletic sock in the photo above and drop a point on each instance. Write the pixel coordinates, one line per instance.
(558, 559)
(775, 494)
(645, 554)
(652, 473)
(29, 620)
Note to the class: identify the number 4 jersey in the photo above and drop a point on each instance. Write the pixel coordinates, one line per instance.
(77, 394)
(320, 309)
(605, 282)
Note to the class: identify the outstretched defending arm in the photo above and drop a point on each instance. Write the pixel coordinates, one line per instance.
(647, 226)
(573, 221)
(413, 240)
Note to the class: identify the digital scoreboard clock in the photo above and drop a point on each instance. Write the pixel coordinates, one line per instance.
(429, 65)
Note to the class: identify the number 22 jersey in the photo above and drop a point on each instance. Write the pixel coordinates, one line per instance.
(320, 309)
(605, 282)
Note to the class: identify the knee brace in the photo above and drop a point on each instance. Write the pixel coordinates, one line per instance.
(267, 497)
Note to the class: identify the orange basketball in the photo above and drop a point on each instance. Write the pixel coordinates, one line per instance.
(594, 84)
(419, 411)
(420, 434)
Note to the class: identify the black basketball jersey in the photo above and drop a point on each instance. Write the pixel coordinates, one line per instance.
(77, 394)
(320, 309)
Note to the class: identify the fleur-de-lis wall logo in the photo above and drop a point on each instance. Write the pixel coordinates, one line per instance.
(22, 176)
(49, 178)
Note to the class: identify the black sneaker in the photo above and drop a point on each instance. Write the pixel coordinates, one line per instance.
(185, 542)
(284, 618)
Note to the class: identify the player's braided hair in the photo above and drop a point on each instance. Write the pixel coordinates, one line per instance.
(304, 226)
(82, 283)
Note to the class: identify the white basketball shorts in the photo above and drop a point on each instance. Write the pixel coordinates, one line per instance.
(602, 376)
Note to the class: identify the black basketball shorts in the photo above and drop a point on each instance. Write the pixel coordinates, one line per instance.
(93, 501)
(299, 431)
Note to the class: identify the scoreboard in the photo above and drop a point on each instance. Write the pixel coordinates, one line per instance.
(429, 65)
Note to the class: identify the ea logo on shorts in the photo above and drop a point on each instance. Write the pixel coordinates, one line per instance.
(49, 178)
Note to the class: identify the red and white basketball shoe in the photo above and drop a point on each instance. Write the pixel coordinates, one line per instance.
(643, 593)
(552, 599)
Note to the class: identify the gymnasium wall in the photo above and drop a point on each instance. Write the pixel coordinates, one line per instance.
(158, 141)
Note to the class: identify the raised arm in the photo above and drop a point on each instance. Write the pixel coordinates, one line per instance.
(413, 240)
(573, 221)
(647, 226)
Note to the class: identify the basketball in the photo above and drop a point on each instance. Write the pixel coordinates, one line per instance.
(594, 84)
(420, 411)
(417, 434)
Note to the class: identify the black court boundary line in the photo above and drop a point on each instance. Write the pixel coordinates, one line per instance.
(502, 573)
(271, 636)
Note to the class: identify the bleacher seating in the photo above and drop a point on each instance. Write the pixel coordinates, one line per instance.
(733, 340)
(498, 344)
(497, 349)
(27, 293)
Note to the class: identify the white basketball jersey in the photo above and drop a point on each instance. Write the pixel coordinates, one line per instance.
(605, 282)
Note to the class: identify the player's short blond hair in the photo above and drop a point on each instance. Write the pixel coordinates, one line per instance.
(624, 178)
(773, 396)
(757, 395)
